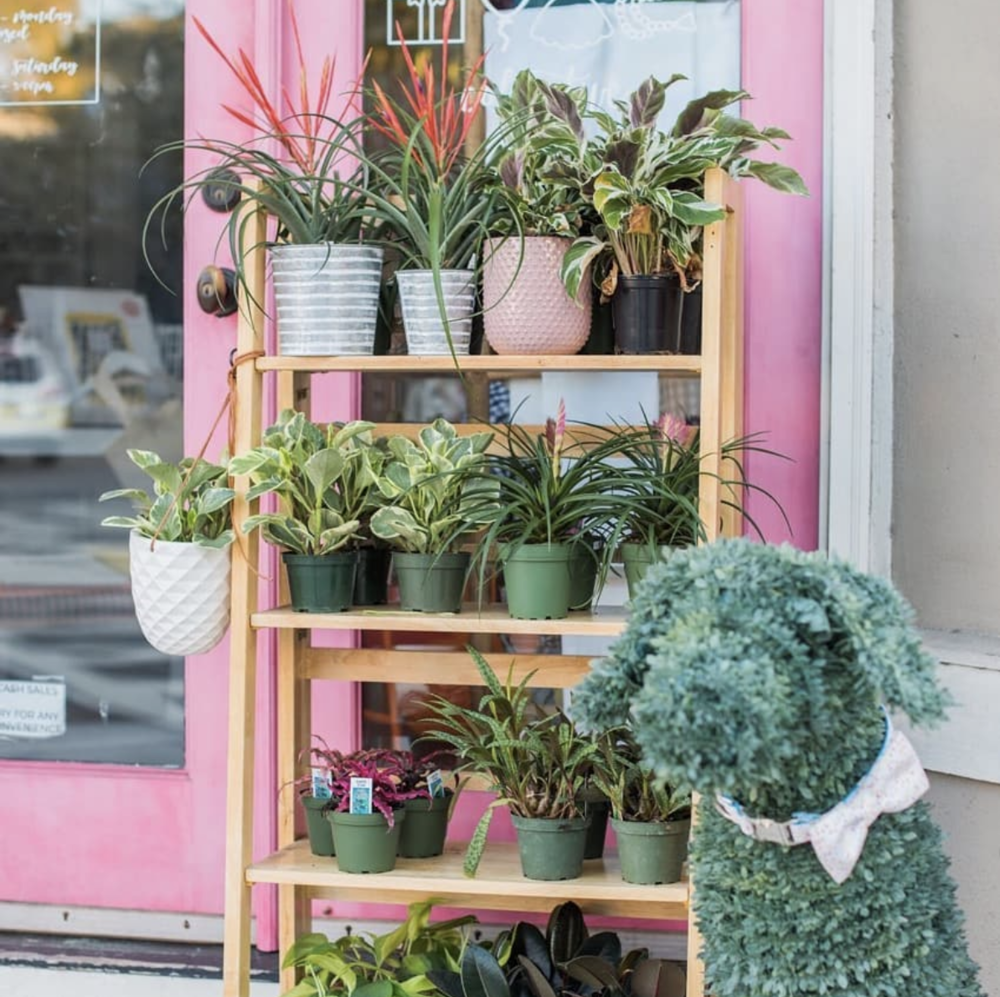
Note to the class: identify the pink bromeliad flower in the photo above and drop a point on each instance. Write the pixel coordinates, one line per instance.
(555, 433)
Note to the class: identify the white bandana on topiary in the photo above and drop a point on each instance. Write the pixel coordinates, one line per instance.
(895, 781)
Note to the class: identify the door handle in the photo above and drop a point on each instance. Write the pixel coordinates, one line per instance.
(217, 291)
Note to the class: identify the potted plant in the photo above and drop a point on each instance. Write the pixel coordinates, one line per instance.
(179, 552)
(315, 793)
(435, 494)
(425, 197)
(656, 479)
(536, 763)
(648, 191)
(429, 810)
(541, 208)
(552, 497)
(302, 465)
(367, 841)
(651, 820)
(300, 166)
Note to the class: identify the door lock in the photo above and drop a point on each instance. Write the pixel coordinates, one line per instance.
(217, 291)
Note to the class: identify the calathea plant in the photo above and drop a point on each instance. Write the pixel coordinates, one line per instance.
(434, 490)
(304, 466)
(191, 502)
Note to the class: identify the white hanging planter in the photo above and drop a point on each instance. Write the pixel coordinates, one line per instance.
(181, 593)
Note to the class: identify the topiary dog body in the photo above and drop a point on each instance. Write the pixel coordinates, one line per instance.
(758, 673)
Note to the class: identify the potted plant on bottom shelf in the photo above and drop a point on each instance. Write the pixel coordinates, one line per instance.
(435, 494)
(302, 465)
(651, 820)
(553, 498)
(180, 552)
(429, 810)
(369, 814)
(536, 763)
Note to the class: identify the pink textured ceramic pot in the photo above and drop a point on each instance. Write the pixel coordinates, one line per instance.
(525, 306)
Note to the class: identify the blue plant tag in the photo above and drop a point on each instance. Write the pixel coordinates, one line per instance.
(361, 795)
(435, 783)
(321, 784)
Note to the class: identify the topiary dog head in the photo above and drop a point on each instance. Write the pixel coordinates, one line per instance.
(746, 666)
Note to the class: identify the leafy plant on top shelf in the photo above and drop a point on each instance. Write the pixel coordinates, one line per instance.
(305, 467)
(191, 502)
(565, 961)
(434, 490)
(395, 964)
(535, 762)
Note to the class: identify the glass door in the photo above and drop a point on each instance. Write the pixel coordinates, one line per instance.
(112, 755)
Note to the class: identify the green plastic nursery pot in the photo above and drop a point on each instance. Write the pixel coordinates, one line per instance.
(637, 558)
(371, 585)
(319, 828)
(431, 583)
(321, 583)
(537, 580)
(652, 853)
(597, 809)
(425, 827)
(551, 848)
(582, 576)
(365, 842)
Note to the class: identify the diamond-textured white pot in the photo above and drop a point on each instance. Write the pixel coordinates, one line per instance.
(181, 594)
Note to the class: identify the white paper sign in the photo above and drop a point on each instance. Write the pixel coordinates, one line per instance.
(32, 709)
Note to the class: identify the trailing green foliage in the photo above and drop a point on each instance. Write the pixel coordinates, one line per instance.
(395, 964)
(434, 491)
(325, 480)
(187, 505)
(535, 762)
(758, 672)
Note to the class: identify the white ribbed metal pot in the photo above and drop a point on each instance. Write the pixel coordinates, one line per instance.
(181, 593)
(422, 320)
(326, 297)
(526, 308)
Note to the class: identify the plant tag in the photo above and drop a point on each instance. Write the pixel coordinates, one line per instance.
(321, 784)
(361, 795)
(435, 783)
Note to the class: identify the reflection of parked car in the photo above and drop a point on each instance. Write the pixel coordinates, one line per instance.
(33, 398)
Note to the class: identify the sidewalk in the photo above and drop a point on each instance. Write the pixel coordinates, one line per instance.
(30, 981)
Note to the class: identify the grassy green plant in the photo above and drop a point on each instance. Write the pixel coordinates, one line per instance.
(191, 502)
(535, 762)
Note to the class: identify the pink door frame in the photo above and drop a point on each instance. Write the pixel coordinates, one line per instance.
(175, 862)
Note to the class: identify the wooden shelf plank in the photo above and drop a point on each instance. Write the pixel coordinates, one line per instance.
(472, 620)
(489, 364)
(552, 671)
(499, 884)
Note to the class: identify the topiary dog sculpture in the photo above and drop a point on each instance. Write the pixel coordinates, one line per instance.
(757, 675)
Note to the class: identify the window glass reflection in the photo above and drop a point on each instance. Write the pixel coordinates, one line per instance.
(90, 365)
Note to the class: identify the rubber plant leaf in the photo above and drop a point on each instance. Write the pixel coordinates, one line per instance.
(482, 975)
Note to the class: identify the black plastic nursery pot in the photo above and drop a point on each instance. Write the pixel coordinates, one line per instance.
(425, 827)
(647, 314)
(365, 842)
(551, 848)
(431, 583)
(319, 828)
(321, 583)
(652, 853)
(691, 322)
(537, 579)
(595, 806)
(371, 584)
(636, 558)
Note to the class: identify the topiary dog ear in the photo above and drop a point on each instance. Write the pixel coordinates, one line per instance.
(874, 628)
